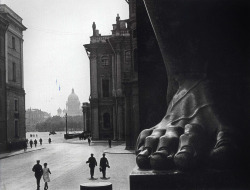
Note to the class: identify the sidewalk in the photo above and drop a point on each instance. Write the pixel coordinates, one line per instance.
(119, 149)
(17, 152)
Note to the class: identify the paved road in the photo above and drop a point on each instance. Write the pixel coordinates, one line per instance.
(67, 162)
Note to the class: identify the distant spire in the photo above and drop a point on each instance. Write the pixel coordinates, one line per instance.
(73, 91)
(118, 22)
(94, 29)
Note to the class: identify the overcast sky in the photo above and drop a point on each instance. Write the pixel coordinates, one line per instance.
(55, 60)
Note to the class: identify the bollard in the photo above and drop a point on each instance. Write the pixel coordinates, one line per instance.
(96, 186)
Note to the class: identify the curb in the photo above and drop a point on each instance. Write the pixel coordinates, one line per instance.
(118, 152)
(20, 153)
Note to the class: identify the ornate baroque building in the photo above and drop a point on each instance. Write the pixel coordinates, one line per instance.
(113, 78)
(12, 96)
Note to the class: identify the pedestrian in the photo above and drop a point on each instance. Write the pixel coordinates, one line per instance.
(41, 141)
(109, 141)
(92, 163)
(104, 163)
(31, 143)
(46, 178)
(49, 140)
(37, 168)
(24, 145)
(35, 142)
(89, 140)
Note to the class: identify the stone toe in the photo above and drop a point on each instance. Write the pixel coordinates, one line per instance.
(185, 159)
(142, 159)
(161, 160)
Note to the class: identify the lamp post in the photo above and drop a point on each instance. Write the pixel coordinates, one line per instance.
(66, 124)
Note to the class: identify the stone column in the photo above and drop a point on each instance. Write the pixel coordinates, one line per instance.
(93, 75)
(6, 57)
(113, 76)
(94, 96)
(21, 58)
(118, 72)
(115, 120)
(94, 119)
(120, 125)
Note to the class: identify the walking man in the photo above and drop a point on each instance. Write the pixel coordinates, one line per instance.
(109, 141)
(89, 140)
(104, 163)
(92, 163)
(35, 142)
(41, 141)
(31, 143)
(37, 168)
(49, 140)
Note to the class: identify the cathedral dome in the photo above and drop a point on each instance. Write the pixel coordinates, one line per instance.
(73, 105)
(73, 96)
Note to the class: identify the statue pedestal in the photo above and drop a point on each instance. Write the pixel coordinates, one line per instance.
(96, 186)
(175, 179)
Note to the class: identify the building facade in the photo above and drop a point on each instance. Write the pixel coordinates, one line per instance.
(3, 117)
(113, 81)
(86, 116)
(14, 103)
(35, 116)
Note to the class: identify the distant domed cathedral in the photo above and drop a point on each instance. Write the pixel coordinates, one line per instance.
(73, 105)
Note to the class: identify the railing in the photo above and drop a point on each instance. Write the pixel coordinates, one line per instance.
(96, 39)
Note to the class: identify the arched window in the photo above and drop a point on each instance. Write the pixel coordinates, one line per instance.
(105, 60)
(106, 121)
(127, 56)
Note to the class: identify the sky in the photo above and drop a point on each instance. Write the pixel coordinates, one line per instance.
(55, 60)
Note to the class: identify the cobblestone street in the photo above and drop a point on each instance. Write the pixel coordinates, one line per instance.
(67, 162)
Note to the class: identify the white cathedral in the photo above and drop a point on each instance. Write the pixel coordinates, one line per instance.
(73, 106)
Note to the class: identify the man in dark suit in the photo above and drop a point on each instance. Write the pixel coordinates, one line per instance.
(37, 168)
(103, 165)
(92, 163)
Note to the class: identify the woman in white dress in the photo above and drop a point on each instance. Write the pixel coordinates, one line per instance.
(46, 178)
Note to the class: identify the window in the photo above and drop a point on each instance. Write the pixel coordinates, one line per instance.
(16, 105)
(105, 88)
(14, 71)
(16, 129)
(127, 56)
(13, 42)
(105, 60)
(106, 121)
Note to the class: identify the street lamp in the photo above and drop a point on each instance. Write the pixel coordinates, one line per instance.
(66, 124)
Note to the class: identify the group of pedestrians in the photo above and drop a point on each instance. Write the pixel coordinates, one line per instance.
(89, 141)
(35, 142)
(39, 172)
(102, 166)
(31, 142)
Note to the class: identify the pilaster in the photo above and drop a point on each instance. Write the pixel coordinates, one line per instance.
(93, 75)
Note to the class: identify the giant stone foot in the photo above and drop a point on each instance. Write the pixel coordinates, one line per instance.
(190, 135)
